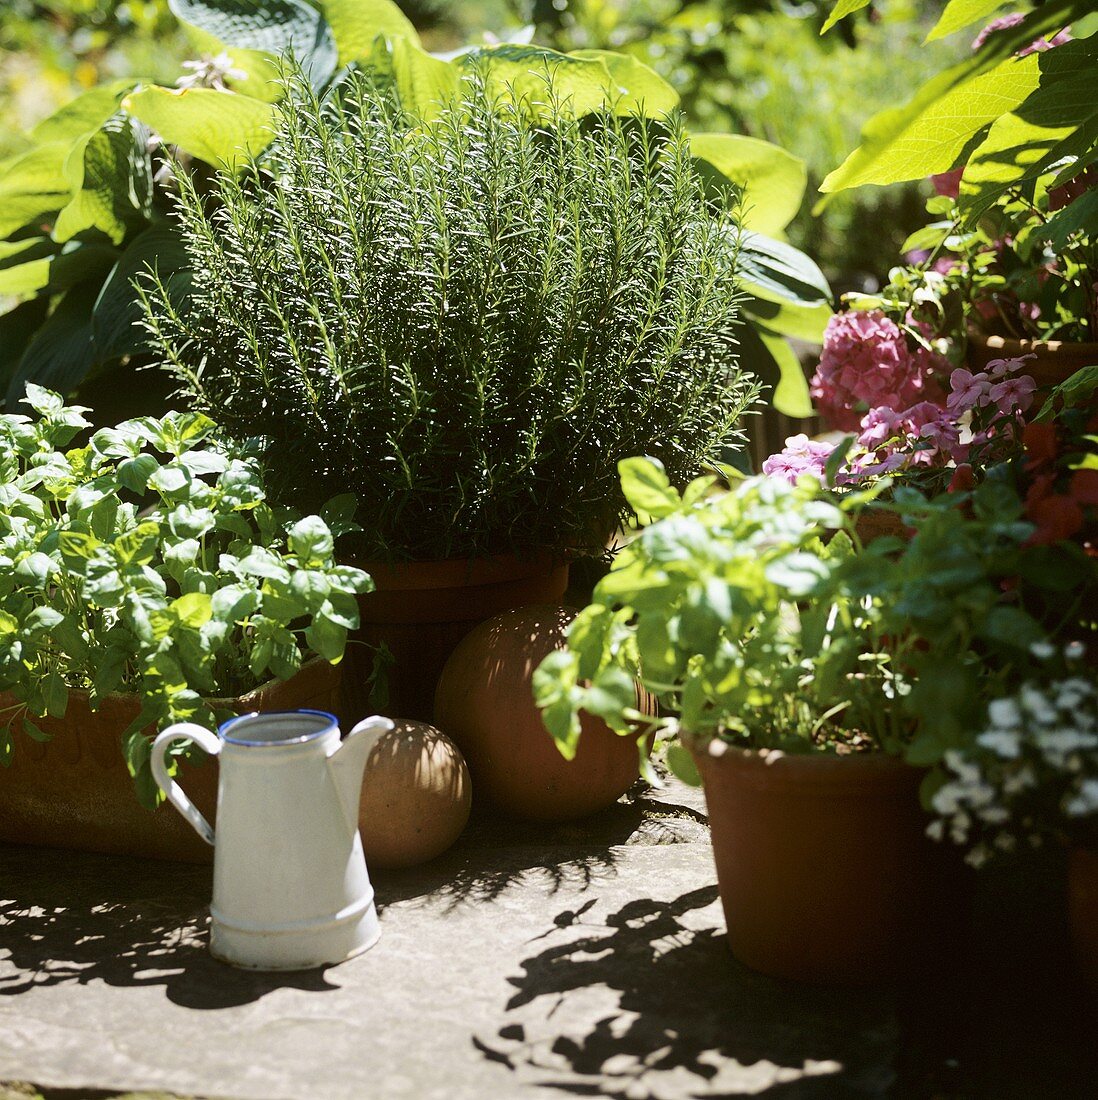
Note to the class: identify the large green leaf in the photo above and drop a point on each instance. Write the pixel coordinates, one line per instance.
(1081, 216)
(118, 309)
(963, 13)
(33, 186)
(1059, 119)
(841, 10)
(786, 318)
(934, 138)
(776, 364)
(876, 159)
(63, 349)
(221, 128)
(356, 25)
(425, 82)
(17, 328)
(83, 114)
(637, 89)
(58, 272)
(582, 84)
(773, 181)
(274, 26)
(779, 273)
(111, 176)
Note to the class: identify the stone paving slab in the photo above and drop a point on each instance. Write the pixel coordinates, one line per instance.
(527, 963)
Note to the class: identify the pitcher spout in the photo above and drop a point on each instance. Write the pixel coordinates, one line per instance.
(348, 763)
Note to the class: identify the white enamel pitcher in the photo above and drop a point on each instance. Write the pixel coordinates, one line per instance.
(291, 890)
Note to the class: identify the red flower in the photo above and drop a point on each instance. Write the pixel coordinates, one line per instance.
(1039, 441)
(1084, 487)
(1057, 517)
(963, 479)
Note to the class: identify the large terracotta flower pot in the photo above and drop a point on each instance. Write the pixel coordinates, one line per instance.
(1055, 362)
(485, 703)
(74, 791)
(1083, 912)
(824, 868)
(421, 610)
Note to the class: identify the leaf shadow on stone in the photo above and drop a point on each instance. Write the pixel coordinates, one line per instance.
(123, 922)
(674, 1014)
(497, 854)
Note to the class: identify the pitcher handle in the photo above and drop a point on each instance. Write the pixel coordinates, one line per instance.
(183, 731)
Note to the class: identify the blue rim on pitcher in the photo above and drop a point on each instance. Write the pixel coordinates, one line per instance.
(332, 723)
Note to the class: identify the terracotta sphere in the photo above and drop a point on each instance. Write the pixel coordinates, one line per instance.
(416, 796)
(485, 702)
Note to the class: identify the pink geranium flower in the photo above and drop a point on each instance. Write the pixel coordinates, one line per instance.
(866, 363)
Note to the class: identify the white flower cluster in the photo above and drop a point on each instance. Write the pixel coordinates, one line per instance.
(1033, 772)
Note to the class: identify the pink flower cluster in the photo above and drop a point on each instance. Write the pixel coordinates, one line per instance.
(1005, 22)
(866, 364)
(981, 417)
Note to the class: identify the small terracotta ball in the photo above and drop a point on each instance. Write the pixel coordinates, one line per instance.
(485, 702)
(416, 796)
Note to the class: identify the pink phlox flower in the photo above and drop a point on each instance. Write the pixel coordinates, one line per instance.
(1013, 395)
(1000, 368)
(967, 391)
(923, 435)
(1005, 22)
(800, 456)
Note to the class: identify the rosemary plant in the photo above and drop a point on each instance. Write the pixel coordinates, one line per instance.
(467, 323)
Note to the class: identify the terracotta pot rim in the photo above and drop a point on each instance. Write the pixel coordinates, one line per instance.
(807, 769)
(459, 572)
(1009, 343)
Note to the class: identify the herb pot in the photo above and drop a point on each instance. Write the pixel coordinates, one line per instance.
(420, 611)
(1083, 912)
(75, 791)
(485, 702)
(824, 868)
(1056, 360)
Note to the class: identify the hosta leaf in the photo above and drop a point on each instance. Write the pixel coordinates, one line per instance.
(217, 127)
(33, 187)
(785, 318)
(117, 308)
(273, 26)
(356, 25)
(778, 272)
(636, 89)
(790, 395)
(426, 83)
(772, 180)
(57, 273)
(584, 85)
(63, 349)
(83, 114)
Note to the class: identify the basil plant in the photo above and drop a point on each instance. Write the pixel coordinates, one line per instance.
(149, 562)
(733, 610)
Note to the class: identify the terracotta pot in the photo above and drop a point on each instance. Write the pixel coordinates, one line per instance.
(485, 702)
(875, 523)
(824, 868)
(1056, 360)
(74, 791)
(1083, 912)
(421, 610)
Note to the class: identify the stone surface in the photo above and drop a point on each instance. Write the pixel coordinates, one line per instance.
(528, 962)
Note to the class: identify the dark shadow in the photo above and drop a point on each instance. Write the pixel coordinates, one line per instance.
(648, 1002)
(68, 917)
(496, 854)
(683, 1016)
